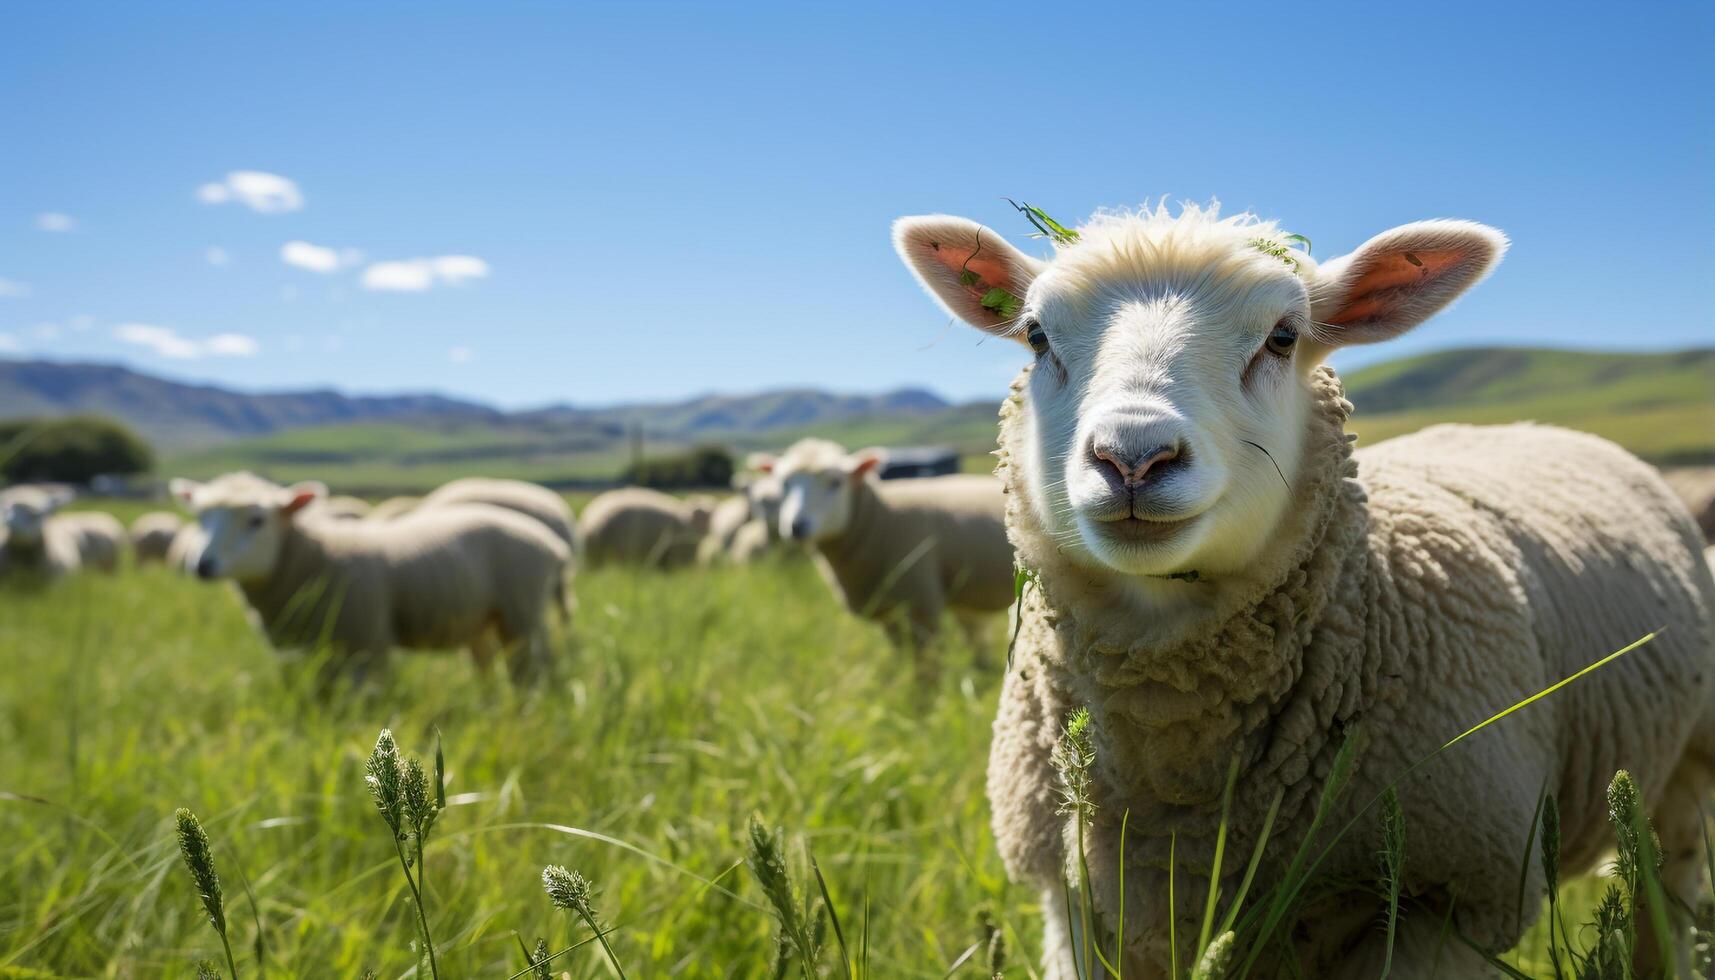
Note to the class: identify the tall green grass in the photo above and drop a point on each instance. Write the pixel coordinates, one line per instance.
(689, 702)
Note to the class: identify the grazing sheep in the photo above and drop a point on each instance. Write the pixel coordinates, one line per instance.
(755, 540)
(728, 517)
(50, 545)
(185, 548)
(343, 508)
(533, 501)
(899, 552)
(1222, 578)
(455, 575)
(638, 526)
(529, 499)
(152, 536)
(1695, 485)
(393, 507)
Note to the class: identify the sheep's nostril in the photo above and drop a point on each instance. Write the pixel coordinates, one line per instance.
(1133, 468)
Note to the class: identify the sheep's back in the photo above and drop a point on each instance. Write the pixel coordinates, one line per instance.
(967, 517)
(634, 525)
(446, 571)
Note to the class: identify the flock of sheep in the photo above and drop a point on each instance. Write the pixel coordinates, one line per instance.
(479, 563)
(1218, 578)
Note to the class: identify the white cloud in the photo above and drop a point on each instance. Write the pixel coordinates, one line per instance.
(217, 256)
(319, 258)
(9, 343)
(46, 331)
(55, 221)
(167, 342)
(231, 345)
(14, 288)
(416, 275)
(316, 258)
(460, 355)
(263, 192)
(81, 322)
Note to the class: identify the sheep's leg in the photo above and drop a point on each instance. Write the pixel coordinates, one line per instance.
(978, 635)
(482, 653)
(1059, 942)
(913, 632)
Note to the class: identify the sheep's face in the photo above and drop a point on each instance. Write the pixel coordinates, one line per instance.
(818, 481)
(766, 495)
(244, 522)
(1168, 406)
(27, 515)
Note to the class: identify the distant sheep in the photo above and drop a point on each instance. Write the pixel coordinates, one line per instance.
(529, 499)
(725, 521)
(1221, 579)
(455, 575)
(344, 508)
(1695, 485)
(152, 536)
(392, 507)
(642, 527)
(41, 542)
(900, 552)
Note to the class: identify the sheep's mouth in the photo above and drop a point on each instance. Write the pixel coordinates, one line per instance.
(1138, 530)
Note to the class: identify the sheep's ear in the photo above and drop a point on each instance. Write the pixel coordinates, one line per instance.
(183, 490)
(1400, 278)
(863, 462)
(975, 274)
(301, 495)
(761, 462)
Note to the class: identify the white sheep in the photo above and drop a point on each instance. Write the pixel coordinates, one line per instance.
(899, 552)
(532, 500)
(343, 508)
(1220, 577)
(392, 507)
(47, 544)
(725, 521)
(449, 576)
(639, 526)
(529, 499)
(152, 536)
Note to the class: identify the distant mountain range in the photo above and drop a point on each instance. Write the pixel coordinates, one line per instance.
(1659, 405)
(178, 416)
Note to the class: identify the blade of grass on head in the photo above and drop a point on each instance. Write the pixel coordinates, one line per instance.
(833, 915)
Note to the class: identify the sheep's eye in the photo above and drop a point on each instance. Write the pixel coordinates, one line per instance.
(255, 521)
(1281, 339)
(833, 483)
(1037, 337)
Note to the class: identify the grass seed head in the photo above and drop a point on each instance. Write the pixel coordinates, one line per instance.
(207, 971)
(1073, 757)
(382, 775)
(540, 961)
(1393, 837)
(417, 807)
(1217, 960)
(1551, 842)
(199, 859)
(568, 890)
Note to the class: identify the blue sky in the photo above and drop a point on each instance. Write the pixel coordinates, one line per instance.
(607, 202)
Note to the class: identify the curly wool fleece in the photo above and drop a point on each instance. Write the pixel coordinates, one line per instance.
(1463, 569)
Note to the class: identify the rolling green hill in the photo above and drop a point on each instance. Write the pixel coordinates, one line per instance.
(1661, 406)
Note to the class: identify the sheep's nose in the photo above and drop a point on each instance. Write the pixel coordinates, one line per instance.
(800, 530)
(1133, 466)
(205, 567)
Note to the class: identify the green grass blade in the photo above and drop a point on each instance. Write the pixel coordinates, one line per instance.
(1173, 904)
(833, 915)
(1255, 861)
(1206, 931)
(1530, 849)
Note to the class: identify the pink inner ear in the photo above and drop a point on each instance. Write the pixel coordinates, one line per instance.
(961, 258)
(864, 466)
(298, 502)
(1391, 280)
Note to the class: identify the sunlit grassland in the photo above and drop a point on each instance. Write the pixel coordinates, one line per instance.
(686, 702)
(690, 700)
